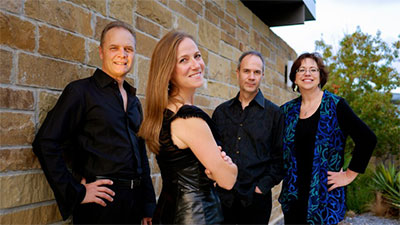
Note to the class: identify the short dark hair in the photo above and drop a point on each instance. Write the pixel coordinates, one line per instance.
(251, 53)
(323, 71)
(117, 24)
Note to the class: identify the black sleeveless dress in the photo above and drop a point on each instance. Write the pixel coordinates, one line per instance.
(188, 195)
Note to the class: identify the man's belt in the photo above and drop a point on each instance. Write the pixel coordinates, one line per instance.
(124, 183)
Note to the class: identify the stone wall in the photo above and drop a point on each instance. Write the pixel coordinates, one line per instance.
(45, 44)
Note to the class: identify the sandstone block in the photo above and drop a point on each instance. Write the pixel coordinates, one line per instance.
(266, 90)
(195, 6)
(265, 51)
(187, 26)
(280, 65)
(93, 53)
(204, 55)
(143, 74)
(260, 26)
(233, 77)
(154, 165)
(51, 73)
(96, 5)
(101, 22)
(16, 32)
(157, 183)
(216, 102)
(131, 79)
(275, 91)
(45, 214)
(148, 27)
(178, 7)
(6, 64)
(268, 77)
(24, 189)
(242, 23)
(242, 36)
(215, 9)
(16, 99)
(220, 3)
(122, 10)
(219, 90)
(61, 44)
(202, 100)
(208, 111)
(218, 68)
(231, 20)
(226, 51)
(209, 41)
(245, 13)
(47, 101)
(18, 159)
(145, 44)
(229, 39)
(59, 14)
(16, 129)
(231, 7)
(228, 28)
(212, 18)
(278, 80)
(255, 40)
(14, 6)
(154, 11)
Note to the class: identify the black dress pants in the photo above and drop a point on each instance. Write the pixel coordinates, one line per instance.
(258, 212)
(127, 208)
(297, 213)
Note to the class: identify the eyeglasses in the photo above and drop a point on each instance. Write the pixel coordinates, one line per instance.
(303, 70)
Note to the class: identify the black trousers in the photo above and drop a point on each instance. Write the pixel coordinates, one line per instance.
(297, 213)
(127, 208)
(258, 212)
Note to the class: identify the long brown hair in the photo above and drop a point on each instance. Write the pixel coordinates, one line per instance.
(160, 88)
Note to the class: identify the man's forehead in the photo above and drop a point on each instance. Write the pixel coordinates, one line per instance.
(119, 33)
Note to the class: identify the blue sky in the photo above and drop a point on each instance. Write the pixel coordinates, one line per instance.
(338, 17)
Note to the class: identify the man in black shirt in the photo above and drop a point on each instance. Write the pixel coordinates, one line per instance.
(251, 129)
(94, 123)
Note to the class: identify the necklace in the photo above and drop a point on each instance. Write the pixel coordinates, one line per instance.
(305, 111)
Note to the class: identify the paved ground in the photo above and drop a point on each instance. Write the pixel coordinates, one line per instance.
(369, 219)
(364, 219)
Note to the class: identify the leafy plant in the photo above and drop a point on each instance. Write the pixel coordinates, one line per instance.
(362, 71)
(387, 180)
(360, 194)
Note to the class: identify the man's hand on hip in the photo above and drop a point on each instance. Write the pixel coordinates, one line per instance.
(258, 191)
(96, 193)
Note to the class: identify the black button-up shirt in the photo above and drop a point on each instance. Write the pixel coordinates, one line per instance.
(90, 125)
(253, 139)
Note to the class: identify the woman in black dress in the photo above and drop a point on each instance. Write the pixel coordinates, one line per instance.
(183, 136)
(316, 127)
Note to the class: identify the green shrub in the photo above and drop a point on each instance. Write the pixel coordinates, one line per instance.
(387, 180)
(360, 193)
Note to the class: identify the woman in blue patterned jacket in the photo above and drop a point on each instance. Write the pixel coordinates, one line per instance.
(316, 127)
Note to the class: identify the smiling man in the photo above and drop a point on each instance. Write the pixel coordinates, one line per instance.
(94, 125)
(251, 129)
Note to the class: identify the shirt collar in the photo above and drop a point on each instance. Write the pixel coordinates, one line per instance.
(104, 80)
(259, 99)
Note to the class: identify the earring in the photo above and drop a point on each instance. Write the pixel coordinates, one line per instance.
(296, 88)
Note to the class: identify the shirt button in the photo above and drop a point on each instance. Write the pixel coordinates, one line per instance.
(239, 138)
(237, 152)
(241, 124)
